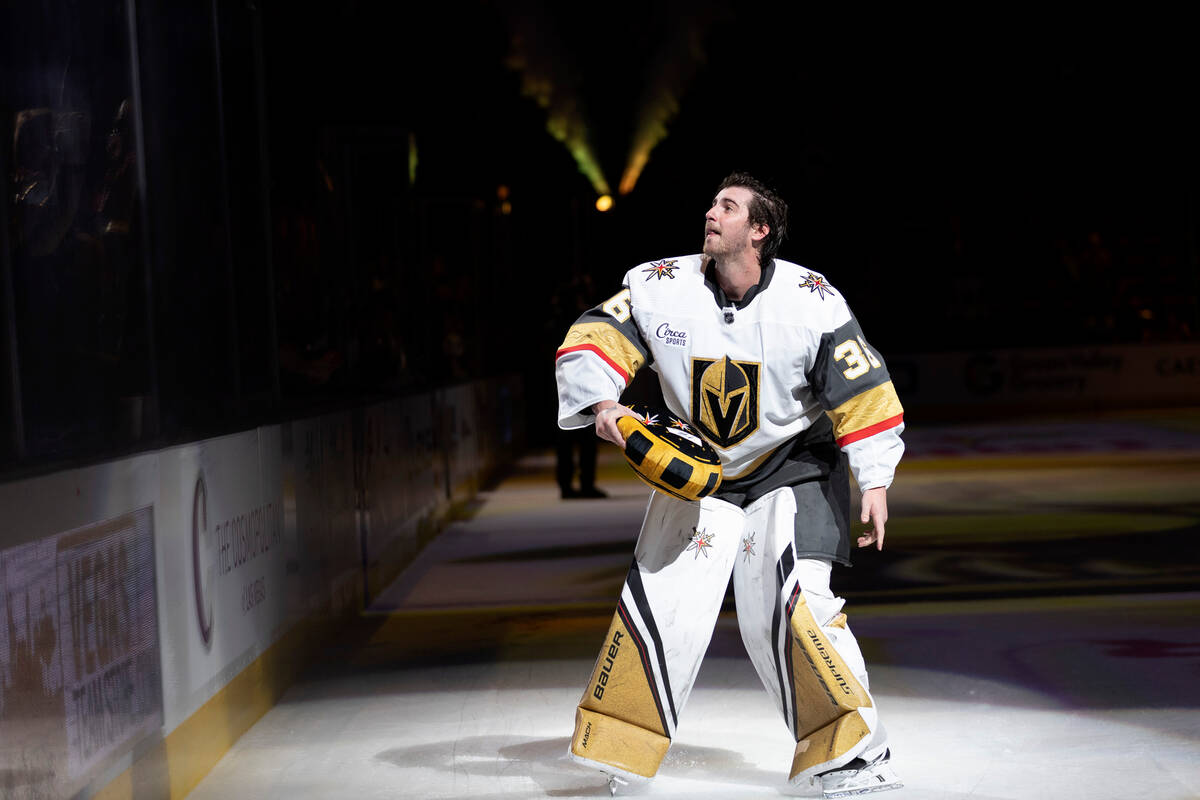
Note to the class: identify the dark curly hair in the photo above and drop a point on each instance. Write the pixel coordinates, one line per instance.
(766, 208)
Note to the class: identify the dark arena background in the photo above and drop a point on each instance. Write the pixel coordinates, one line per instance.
(281, 286)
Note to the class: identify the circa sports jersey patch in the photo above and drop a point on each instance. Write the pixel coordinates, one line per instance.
(670, 336)
(725, 399)
(661, 269)
(815, 283)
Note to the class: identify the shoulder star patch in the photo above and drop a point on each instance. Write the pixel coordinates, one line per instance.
(701, 541)
(660, 269)
(816, 283)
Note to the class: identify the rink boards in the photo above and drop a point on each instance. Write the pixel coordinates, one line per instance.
(155, 606)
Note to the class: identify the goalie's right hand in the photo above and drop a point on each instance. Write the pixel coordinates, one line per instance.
(607, 414)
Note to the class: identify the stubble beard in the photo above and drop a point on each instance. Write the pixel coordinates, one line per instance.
(719, 250)
(712, 247)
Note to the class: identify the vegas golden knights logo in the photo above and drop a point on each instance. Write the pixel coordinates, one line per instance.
(725, 399)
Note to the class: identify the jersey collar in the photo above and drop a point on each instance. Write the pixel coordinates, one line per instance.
(710, 280)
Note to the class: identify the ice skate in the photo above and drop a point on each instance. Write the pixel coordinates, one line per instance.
(859, 777)
(614, 782)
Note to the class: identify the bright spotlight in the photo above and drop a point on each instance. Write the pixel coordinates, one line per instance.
(604, 202)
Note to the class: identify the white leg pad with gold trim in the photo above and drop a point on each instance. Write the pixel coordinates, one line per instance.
(797, 638)
(658, 635)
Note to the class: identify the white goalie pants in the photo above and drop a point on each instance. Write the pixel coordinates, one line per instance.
(791, 624)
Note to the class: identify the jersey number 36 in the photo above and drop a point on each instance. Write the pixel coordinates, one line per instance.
(617, 305)
(859, 360)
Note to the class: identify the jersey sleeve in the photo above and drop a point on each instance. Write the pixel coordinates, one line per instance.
(852, 384)
(601, 353)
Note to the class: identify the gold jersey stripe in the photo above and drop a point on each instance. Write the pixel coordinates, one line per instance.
(866, 413)
(609, 343)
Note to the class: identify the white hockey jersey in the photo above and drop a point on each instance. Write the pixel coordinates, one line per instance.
(749, 375)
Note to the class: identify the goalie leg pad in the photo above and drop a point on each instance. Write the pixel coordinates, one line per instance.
(799, 642)
(834, 713)
(830, 747)
(658, 635)
(623, 749)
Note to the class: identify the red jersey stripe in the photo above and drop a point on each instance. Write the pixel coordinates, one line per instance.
(624, 375)
(870, 430)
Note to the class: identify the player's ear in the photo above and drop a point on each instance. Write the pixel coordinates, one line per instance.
(760, 231)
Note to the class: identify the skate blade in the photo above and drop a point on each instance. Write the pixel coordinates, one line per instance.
(614, 782)
(885, 787)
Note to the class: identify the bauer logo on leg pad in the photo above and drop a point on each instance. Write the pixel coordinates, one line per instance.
(606, 668)
(624, 684)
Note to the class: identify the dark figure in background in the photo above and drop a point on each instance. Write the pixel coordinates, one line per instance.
(570, 300)
(566, 443)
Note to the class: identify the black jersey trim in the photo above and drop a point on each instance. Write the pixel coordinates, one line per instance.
(710, 282)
